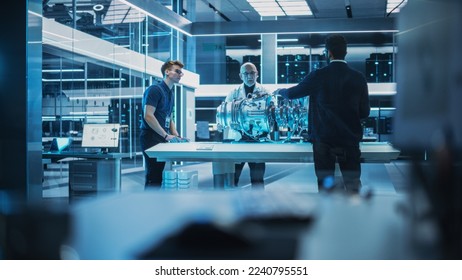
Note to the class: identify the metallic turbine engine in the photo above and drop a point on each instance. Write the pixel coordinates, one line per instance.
(258, 115)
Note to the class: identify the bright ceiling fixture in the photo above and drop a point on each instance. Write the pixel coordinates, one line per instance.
(61, 70)
(393, 6)
(281, 7)
(284, 40)
(85, 80)
(98, 8)
(120, 12)
(142, 13)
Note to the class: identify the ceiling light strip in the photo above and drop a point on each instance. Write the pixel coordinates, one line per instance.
(394, 6)
(280, 7)
(61, 70)
(156, 17)
(83, 80)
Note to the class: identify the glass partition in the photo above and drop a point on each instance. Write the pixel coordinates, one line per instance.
(98, 58)
(370, 53)
(373, 54)
(115, 22)
(241, 49)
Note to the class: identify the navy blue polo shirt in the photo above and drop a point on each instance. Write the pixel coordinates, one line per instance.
(160, 97)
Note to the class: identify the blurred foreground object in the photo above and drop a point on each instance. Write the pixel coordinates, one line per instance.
(428, 114)
(32, 232)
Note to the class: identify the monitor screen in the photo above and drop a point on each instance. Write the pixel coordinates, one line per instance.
(101, 135)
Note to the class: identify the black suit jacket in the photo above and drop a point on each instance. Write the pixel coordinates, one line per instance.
(339, 99)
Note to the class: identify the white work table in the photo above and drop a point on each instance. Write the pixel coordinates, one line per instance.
(224, 155)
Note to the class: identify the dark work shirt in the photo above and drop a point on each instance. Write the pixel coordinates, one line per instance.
(248, 89)
(339, 99)
(160, 97)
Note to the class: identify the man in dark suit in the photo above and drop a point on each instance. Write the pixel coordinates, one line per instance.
(339, 99)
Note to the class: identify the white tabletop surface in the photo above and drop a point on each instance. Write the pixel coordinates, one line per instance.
(259, 152)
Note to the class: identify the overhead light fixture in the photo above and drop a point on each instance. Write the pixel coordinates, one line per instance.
(61, 70)
(348, 9)
(285, 40)
(104, 97)
(288, 40)
(138, 9)
(281, 7)
(83, 80)
(119, 12)
(98, 8)
(291, 48)
(394, 6)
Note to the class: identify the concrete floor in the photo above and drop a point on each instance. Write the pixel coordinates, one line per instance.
(381, 178)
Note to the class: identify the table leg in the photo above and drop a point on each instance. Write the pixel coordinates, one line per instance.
(168, 166)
